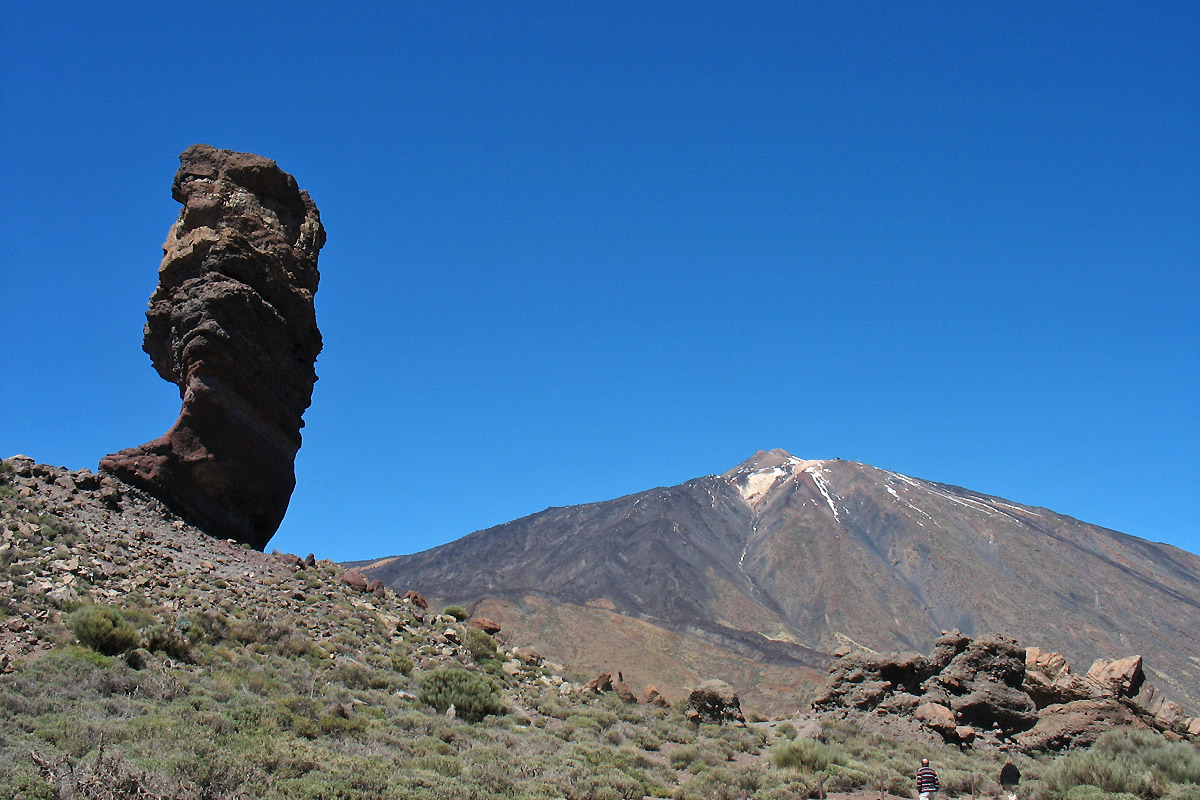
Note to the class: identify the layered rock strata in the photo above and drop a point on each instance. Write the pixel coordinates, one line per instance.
(993, 690)
(232, 324)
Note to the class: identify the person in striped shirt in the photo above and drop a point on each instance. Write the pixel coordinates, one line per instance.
(927, 781)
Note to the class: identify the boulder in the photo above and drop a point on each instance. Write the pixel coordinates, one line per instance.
(945, 648)
(983, 685)
(1076, 724)
(936, 717)
(1123, 677)
(489, 626)
(653, 697)
(416, 599)
(233, 325)
(355, 580)
(1049, 680)
(528, 655)
(625, 694)
(601, 683)
(714, 701)
(863, 680)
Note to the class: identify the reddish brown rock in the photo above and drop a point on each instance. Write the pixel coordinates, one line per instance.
(489, 626)
(601, 683)
(355, 580)
(625, 694)
(416, 599)
(1123, 677)
(1077, 724)
(936, 717)
(1049, 680)
(653, 697)
(232, 324)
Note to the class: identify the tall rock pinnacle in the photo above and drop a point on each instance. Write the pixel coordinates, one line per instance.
(232, 323)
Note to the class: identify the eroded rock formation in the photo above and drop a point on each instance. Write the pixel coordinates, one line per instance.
(992, 689)
(232, 323)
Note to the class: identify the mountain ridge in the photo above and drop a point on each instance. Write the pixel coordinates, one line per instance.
(784, 560)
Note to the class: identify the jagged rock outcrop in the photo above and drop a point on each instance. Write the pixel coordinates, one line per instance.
(993, 689)
(232, 323)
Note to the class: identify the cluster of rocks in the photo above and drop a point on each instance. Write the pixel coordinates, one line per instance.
(712, 701)
(604, 682)
(993, 691)
(232, 324)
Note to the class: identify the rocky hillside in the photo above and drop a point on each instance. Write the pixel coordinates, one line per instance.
(777, 563)
(141, 658)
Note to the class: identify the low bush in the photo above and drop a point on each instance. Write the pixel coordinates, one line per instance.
(473, 696)
(1123, 762)
(808, 755)
(480, 645)
(103, 629)
(458, 612)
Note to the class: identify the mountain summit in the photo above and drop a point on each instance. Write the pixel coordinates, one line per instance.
(780, 561)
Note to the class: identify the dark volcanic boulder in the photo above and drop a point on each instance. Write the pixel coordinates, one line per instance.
(232, 323)
(714, 701)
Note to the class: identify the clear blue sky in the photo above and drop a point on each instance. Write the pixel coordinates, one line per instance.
(577, 250)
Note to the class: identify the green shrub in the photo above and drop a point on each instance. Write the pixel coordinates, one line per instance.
(1140, 763)
(162, 639)
(402, 664)
(720, 783)
(809, 755)
(88, 656)
(480, 645)
(473, 696)
(458, 612)
(103, 629)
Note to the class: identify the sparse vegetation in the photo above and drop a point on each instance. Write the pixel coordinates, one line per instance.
(210, 685)
(458, 612)
(1125, 762)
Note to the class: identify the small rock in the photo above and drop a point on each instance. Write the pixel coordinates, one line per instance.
(528, 655)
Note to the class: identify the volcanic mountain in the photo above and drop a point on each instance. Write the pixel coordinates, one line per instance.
(761, 573)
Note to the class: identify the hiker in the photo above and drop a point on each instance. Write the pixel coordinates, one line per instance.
(1010, 776)
(927, 781)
